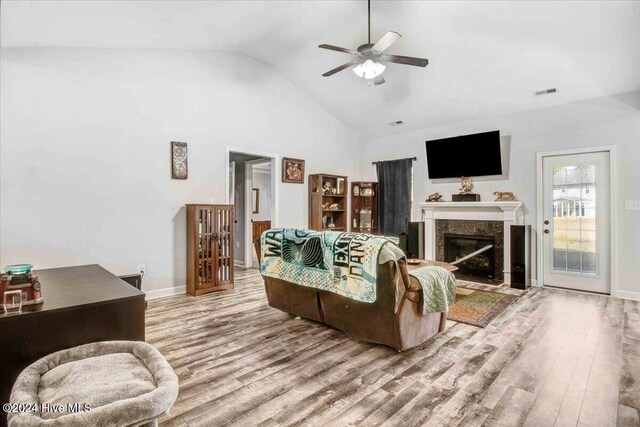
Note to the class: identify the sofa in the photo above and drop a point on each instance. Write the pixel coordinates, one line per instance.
(395, 319)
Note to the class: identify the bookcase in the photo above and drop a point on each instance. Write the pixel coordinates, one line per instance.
(209, 248)
(328, 202)
(364, 207)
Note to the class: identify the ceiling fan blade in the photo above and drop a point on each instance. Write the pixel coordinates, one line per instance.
(386, 41)
(406, 60)
(338, 49)
(340, 68)
(378, 80)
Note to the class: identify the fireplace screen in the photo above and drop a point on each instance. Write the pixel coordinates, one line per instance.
(473, 255)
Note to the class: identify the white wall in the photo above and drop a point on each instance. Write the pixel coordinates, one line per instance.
(85, 163)
(604, 121)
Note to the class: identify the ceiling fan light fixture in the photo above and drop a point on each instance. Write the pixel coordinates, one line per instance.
(369, 69)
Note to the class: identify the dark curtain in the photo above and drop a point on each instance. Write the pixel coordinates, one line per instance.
(394, 196)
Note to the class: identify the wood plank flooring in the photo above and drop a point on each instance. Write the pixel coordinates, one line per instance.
(552, 358)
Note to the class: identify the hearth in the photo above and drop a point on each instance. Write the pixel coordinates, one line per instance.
(473, 255)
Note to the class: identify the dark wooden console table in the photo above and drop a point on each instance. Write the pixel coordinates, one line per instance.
(82, 304)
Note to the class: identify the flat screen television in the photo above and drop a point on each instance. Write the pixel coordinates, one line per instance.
(466, 155)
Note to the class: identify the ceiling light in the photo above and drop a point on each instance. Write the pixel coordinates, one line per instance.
(369, 69)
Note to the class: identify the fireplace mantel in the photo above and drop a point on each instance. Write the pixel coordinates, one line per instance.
(489, 211)
(510, 213)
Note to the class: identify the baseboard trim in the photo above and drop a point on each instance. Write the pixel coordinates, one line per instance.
(237, 263)
(166, 292)
(628, 295)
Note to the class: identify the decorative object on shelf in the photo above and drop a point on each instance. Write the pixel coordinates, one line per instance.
(356, 190)
(504, 196)
(325, 206)
(435, 197)
(340, 187)
(334, 207)
(365, 218)
(465, 194)
(19, 287)
(326, 188)
(292, 170)
(367, 192)
(355, 223)
(11, 302)
(209, 248)
(465, 185)
(179, 166)
(255, 201)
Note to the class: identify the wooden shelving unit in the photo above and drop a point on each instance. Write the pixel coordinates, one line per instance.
(209, 248)
(364, 207)
(321, 216)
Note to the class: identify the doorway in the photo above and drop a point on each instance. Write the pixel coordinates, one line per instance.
(258, 208)
(253, 190)
(576, 221)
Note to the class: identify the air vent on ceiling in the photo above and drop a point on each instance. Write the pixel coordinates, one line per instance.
(546, 91)
(396, 123)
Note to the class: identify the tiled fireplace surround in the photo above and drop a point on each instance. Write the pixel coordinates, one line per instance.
(473, 218)
(472, 228)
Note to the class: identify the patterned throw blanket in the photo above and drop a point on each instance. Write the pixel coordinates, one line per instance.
(438, 288)
(343, 263)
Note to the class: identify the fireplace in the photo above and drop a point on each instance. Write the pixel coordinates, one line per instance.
(473, 255)
(466, 237)
(473, 219)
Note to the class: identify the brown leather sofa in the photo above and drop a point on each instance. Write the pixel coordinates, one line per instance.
(377, 322)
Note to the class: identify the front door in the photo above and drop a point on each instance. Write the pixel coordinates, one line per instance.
(576, 229)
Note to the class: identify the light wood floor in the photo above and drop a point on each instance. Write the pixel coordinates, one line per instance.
(553, 358)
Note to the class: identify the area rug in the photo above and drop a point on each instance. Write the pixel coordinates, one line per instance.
(478, 308)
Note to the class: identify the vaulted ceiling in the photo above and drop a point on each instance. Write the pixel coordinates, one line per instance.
(485, 57)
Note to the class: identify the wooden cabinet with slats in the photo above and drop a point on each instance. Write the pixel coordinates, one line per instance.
(209, 248)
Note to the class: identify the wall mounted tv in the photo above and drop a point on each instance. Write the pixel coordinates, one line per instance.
(467, 155)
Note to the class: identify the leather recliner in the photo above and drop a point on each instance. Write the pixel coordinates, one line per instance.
(377, 322)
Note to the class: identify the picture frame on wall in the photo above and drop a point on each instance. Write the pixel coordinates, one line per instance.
(340, 186)
(292, 170)
(179, 157)
(255, 201)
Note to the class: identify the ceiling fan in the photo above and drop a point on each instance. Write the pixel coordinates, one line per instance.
(369, 58)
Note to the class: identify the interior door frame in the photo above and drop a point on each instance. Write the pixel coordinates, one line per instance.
(276, 161)
(248, 209)
(613, 221)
